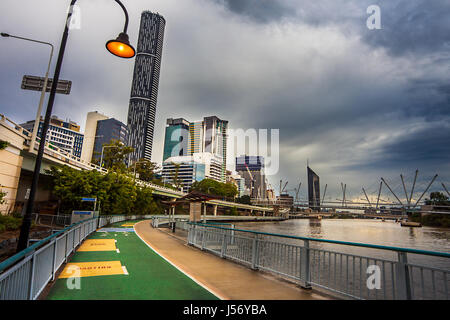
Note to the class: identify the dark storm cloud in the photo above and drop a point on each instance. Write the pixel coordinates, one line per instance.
(261, 11)
(413, 27)
(355, 102)
(408, 26)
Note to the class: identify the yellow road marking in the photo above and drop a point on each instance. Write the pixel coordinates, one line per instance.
(98, 245)
(91, 269)
(128, 225)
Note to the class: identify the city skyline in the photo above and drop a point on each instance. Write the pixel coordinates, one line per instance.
(394, 122)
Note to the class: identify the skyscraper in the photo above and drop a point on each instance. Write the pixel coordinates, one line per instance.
(176, 138)
(313, 190)
(184, 138)
(144, 89)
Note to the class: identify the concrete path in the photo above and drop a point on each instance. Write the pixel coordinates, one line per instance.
(225, 279)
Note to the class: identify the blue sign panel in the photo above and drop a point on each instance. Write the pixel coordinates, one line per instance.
(89, 199)
(82, 212)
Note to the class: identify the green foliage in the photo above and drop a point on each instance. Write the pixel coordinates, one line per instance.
(234, 212)
(244, 200)
(115, 153)
(3, 144)
(115, 192)
(214, 187)
(2, 196)
(144, 169)
(437, 199)
(9, 223)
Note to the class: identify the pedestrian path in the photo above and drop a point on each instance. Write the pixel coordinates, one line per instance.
(114, 264)
(226, 279)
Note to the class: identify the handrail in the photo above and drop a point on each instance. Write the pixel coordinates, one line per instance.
(10, 261)
(356, 244)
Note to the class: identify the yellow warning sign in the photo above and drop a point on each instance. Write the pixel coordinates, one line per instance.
(128, 225)
(98, 245)
(90, 269)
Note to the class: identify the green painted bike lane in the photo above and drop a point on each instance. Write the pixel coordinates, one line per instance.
(150, 277)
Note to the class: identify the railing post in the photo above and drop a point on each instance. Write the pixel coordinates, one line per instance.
(30, 291)
(403, 279)
(54, 258)
(232, 234)
(224, 245)
(255, 253)
(304, 265)
(203, 238)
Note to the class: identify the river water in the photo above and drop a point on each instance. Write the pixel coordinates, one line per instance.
(387, 233)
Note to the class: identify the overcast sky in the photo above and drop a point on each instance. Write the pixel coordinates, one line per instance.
(360, 104)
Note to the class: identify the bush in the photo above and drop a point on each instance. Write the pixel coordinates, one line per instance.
(9, 223)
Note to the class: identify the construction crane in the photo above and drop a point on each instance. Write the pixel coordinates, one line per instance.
(252, 183)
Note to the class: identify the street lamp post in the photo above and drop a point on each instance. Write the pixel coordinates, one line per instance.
(101, 157)
(119, 47)
(44, 89)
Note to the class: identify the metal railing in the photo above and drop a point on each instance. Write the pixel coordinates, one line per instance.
(51, 220)
(25, 275)
(343, 269)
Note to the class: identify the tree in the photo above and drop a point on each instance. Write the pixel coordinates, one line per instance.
(244, 199)
(437, 199)
(214, 187)
(115, 154)
(116, 192)
(145, 169)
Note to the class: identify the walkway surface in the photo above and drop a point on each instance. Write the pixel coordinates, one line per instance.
(117, 265)
(224, 278)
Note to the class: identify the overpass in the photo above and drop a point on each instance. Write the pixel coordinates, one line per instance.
(19, 156)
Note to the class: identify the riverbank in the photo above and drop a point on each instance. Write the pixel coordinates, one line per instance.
(432, 220)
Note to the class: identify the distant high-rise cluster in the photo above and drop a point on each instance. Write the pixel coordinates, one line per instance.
(200, 144)
(251, 168)
(144, 90)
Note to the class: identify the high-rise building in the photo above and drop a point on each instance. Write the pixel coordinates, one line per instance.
(313, 189)
(239, 181)
(90, 130)
(251, 168)
(144, 89)
(107, 130)
(185, 170)
(176, 139)
(184, 138)
(100, 130)
(215, 139)
(62, 134)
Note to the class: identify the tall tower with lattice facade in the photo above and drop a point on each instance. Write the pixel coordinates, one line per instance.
(144, 89)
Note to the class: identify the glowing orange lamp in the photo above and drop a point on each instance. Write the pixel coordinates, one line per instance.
(121, 47)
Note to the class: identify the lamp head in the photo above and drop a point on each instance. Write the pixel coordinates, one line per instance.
(121, 47)
(4, 34)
